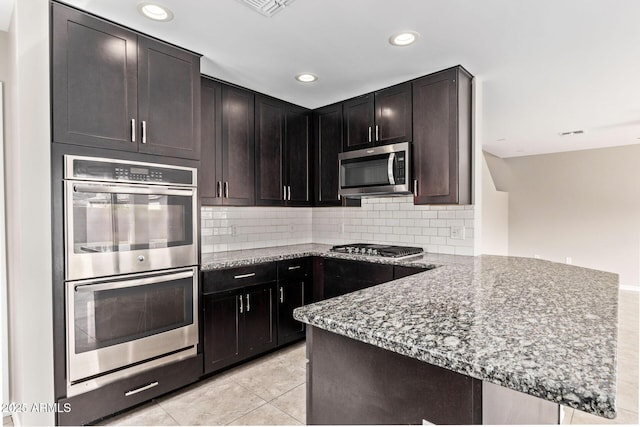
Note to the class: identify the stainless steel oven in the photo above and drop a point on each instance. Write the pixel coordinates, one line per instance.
(127, 217)
(125, 324)
(131, 274)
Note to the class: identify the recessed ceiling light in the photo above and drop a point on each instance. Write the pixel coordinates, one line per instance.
(155, 11)
(404, 38)
(306, 77)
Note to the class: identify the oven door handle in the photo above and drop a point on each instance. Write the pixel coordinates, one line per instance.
(168, 191)
(79, 287)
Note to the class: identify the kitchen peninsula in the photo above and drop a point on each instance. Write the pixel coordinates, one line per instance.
(444, 345)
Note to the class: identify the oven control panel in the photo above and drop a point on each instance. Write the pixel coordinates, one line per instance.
(96, 169)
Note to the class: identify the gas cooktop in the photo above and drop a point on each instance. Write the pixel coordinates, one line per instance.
(386, 251)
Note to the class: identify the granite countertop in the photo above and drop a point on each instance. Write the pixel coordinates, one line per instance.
(542, 328)
(219, 260)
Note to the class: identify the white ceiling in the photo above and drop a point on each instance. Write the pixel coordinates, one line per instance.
(546, 66)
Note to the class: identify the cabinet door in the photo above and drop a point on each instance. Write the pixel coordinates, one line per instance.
(291, 295)
(238, 146)
(168, 100)
(297, 157)
(94, 66)
(270, 134)
(328, 140)
(342, 277)
(442, 138)
(358, 122)
(393, 115)
(210, 171)
(259, 319)
(222, 325)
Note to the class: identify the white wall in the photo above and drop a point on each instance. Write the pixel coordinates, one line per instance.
(4, 332)
(495, 212)
(28, 199)
(583, 204)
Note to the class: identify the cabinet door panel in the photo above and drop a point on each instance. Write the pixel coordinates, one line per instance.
(393, 114)
(94, 81)
(342, 277)
(298, 157)
(358, 122)
(238, 146)
(328, 128)
(169, 99)
(221, 330)
(258, 334)
(270, 133)
(291, 295)
(210, 172)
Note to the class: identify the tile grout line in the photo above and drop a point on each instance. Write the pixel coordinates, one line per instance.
(155, 401)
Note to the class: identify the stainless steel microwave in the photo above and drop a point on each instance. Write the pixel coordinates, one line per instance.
(377, 171)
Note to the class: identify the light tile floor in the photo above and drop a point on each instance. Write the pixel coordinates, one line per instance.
(271, 390)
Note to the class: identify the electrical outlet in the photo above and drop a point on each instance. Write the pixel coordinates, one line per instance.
(568, 260)
(458, 232)
(291, 228)
(536, 256)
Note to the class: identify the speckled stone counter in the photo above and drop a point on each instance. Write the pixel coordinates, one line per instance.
(216, 261)
(542, 328)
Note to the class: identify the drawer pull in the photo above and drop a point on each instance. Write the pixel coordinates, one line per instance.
(294, 267)
(244, 276)
(138, 390)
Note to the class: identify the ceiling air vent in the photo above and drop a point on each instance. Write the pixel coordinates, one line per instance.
(267, 8)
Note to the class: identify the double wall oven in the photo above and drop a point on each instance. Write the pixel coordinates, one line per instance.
(131, 275)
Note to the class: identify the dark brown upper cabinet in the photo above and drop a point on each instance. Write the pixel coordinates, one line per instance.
(282, 153)
(227, 165)
(442, 137)
(328, 143)
(327, 129)
(382, 117)
(116, 89)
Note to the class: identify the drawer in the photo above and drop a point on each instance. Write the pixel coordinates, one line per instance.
(116, 396)
(238, 277)
(297, 268)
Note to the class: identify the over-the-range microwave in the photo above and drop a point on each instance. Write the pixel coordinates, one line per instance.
(376, 171)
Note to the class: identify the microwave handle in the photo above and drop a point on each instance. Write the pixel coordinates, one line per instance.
(390, 168)
(88, 188)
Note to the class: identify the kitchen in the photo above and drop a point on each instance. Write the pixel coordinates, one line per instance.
(239, 227)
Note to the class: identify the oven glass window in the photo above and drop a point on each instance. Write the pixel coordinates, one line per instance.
(368, 172)
(108, 317)
(117, 222)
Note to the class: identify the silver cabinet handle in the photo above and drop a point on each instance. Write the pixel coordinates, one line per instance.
(377, 133)
(144, 131)
(244, 276)
(281, 294)
(294, 267)
(133, 130)
(219, 189)
(241, 306)
(248, 304)
(284, 192)
(289, 192)
(392, 158)
(226, 189)
(369, 133)
(415, 187)
(138, 390)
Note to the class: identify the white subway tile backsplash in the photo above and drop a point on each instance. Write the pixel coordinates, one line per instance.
(386, 220)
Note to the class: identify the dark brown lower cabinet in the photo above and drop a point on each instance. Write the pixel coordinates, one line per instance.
(351, 382)
(295, 288)
(344, 276)
(238, 324)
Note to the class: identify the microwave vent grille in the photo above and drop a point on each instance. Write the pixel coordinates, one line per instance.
(267, 8)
